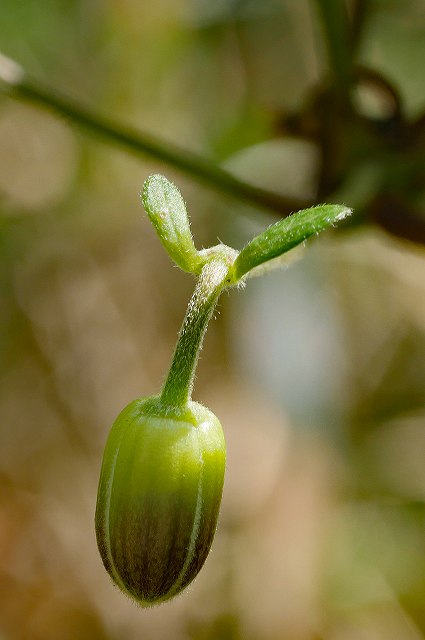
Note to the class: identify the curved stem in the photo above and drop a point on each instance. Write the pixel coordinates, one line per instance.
(177, 388)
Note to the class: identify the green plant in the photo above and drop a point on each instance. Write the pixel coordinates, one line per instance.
(163, 467)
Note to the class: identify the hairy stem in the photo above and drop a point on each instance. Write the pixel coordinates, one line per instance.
(177, 389)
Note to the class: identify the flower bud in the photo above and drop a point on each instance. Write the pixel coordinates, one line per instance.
(159, 497)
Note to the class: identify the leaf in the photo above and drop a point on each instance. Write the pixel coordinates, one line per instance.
(286, 234)
(167, 212)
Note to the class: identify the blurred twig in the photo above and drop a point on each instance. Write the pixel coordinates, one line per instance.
(338, 40)
(358, 19)
(15, 83)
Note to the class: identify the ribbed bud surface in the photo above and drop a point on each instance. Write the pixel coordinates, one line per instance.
(159, 497)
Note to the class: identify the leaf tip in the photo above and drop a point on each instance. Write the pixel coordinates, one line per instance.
(344, 213)
(152, 187)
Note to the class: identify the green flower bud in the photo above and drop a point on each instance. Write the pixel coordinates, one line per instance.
(159, 496)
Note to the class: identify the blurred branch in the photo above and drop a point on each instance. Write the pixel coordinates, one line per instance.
(398, 217)
(338, 40)
(15, 83)
(357, 22)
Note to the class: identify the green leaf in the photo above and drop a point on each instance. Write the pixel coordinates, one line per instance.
(167, 212)
(286, 234)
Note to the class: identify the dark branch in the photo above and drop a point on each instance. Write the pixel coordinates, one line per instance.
(14, 83)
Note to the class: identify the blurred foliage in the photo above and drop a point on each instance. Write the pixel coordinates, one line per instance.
(317, 373)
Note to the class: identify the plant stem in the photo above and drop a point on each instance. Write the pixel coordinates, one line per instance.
(15, 83)
(177, 388)
(336, 26)
(359, 11)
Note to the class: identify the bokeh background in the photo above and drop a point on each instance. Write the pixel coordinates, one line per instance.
(317, 372)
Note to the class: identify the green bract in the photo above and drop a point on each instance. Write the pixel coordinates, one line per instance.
(163, 467)
(159, 497)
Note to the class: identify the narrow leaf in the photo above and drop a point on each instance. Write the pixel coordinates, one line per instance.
(286, 234)
(167, 212)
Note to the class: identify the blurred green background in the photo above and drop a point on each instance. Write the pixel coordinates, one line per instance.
(317, 373)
